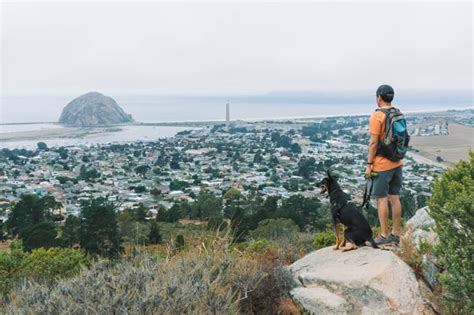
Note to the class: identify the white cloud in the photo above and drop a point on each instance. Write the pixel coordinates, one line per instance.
(235, 48)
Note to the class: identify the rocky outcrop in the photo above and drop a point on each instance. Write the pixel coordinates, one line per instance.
(93, 109)
(420, 230)
(363, 281)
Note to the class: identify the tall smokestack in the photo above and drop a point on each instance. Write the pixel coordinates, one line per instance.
(227, 112)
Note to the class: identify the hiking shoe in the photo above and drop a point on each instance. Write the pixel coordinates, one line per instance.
(394, 239)
(381, 240)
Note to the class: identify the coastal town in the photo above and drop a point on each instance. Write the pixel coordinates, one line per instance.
(236, 157)
(274, 158)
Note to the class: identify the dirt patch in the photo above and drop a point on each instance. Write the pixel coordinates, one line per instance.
(451, 148)
(187, 221)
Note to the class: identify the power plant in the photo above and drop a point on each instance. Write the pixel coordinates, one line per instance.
(227, 112)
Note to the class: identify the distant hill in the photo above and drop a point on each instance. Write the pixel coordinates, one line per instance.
(93, 109)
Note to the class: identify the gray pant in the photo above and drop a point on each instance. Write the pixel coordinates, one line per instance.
(387, 182)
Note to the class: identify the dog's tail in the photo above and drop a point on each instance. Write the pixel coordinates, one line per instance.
(372, 242)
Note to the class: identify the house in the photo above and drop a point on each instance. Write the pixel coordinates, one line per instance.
(275, 191)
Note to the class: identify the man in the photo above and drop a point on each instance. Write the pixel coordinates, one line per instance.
(387, 184)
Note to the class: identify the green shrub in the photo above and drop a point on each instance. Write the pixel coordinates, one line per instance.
(41, 265)
(259, 245)
(451, 206)
(54, 263)
(274, 229)
(324, 239)
(11, 265)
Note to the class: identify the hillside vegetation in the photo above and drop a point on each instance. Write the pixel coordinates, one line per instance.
(452, 207)
(210, 275)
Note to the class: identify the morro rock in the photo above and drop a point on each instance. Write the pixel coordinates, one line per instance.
(93, 109)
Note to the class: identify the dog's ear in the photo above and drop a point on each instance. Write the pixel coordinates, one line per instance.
(329, 174)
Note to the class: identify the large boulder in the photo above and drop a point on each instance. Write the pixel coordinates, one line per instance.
(362, 281)
(93, 109)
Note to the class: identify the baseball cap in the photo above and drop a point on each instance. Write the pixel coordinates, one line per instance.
(386, 92)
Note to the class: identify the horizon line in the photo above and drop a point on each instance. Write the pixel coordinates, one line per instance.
(272, 93)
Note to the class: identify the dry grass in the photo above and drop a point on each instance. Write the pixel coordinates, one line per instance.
(410, 254)
(208, 277)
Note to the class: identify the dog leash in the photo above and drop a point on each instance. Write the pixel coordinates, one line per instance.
(368, 191)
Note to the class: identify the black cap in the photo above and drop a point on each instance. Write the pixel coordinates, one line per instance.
(386, 92)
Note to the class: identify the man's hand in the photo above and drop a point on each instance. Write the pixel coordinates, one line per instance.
(373, 142)
(368, 170)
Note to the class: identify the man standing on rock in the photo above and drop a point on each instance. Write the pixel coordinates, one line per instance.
(388, 181)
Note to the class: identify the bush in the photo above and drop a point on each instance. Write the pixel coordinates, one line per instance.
(451, 206)
(274, 229)
(284, 250)
(324, 239)
(54, 263)
(11, 265)
(412, 255)
(272, 294)
(219, 280)
(260, 246)
(42, 265)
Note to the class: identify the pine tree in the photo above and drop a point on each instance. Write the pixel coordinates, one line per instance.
(42, 234)
(99, 233)
(70, 231)
(31, 210)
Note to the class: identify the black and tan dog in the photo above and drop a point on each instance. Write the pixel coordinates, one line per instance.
(357, 230)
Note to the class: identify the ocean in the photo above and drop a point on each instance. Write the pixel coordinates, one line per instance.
(39, 112)
(157, 108)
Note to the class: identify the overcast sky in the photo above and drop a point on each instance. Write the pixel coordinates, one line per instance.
(235, 48)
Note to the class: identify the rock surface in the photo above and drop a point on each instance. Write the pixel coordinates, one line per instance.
(363, 281)
(420, 230)
(421, 219)
(93, 109)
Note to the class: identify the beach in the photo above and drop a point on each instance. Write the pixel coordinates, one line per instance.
(58, 135)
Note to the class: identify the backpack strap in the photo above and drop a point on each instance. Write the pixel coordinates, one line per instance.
(387, 111)
(392, 111)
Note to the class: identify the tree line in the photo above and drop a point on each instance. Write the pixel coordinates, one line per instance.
(100, 230)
